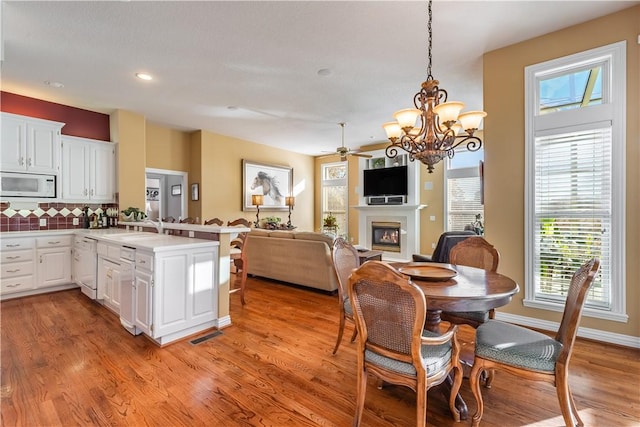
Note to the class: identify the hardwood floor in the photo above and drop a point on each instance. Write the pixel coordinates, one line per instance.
(66, 361)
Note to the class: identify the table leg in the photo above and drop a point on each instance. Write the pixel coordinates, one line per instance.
(432, 323)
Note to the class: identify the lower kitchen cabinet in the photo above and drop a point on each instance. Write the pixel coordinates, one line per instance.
(17, 274)
(54, 260)
(176, 292)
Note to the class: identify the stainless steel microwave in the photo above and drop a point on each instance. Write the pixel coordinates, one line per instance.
(31, 185)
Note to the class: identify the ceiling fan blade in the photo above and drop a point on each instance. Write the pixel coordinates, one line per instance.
(366, 156)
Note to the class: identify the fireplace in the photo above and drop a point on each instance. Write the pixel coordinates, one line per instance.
(385, 236)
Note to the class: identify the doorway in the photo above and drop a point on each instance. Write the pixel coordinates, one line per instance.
(166, 194)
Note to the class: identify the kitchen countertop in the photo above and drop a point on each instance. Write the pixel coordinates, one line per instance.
(136, 239)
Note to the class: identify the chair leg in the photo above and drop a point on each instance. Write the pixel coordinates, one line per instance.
(340, 332)
(421, 405)
(355, 334)
(488, 377)
(565, 399)
(455, 388)
(360, 394)
(474, 379)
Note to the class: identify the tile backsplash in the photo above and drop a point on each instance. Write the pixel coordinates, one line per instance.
(56, 216)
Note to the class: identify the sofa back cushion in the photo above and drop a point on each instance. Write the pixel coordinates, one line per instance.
(309, 235)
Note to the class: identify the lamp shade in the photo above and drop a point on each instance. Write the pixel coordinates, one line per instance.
(289, 200)
(448, 111)
(392, 129)
(407, 118)
(257, 199)
(471, 119)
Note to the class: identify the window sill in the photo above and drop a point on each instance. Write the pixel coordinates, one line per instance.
(587, 312)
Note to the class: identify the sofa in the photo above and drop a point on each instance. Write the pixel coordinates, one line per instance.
(298, 257)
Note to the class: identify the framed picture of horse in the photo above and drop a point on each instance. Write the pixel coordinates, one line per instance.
(273, 182)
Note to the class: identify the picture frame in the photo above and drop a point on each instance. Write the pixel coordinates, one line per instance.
(274, 182)
(153, 194)
(195, 192)
(176, 190)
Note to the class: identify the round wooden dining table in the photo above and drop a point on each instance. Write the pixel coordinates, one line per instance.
(458, 288)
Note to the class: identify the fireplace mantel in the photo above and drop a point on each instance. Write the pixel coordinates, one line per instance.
(390, 207)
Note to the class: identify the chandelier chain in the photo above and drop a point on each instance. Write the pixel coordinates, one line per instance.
(430, 16)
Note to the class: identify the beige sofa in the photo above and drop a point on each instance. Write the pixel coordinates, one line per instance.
(298, 257)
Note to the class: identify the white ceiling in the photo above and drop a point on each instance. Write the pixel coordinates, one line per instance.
(250, 69)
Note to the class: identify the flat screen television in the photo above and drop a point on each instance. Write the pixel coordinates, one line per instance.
(386, 181)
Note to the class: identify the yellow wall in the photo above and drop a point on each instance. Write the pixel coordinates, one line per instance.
(167, 148)
(128, 131)
(504, 152)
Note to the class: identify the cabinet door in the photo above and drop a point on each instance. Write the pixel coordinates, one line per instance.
(171, 293)
(54, 267)
(114, 287)
(74, 170)
(43, 148)
(102, 172)
(14, 143)
(144, 301)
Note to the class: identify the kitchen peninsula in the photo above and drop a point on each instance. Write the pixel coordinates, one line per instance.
(166, 286)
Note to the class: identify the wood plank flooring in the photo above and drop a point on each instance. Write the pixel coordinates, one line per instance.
(66, 360)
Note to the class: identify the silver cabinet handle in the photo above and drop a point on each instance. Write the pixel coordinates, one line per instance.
(14, 257)
(13, 271)
(14, 286)
(21, 161)
(53, 243)
(29, 162)
(15, 245)
(91, 192)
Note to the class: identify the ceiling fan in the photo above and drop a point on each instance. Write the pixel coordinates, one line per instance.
(344, 151)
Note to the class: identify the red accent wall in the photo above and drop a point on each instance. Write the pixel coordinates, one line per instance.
(79, 122)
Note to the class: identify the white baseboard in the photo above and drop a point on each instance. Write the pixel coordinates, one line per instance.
(594, 334)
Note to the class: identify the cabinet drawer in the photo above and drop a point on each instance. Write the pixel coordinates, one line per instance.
(144, 261)
(109, 251)
(54, 241)
(15, 244)
(16, 256)
(16, 284)
(16, 269)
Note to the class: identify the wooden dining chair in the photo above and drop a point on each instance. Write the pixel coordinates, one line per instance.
(390, 312)
(169, 219)
(533, 355)
(345, 259)
(214, 221)
(238, 255)
(473, 251)
(188, 220)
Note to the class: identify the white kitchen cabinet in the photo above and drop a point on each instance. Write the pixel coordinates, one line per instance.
(88, 170)
(143, 301)
(176, 292)
(109, 275)
(17, 273)
(54, 260)
(30, 144)
(84, 265)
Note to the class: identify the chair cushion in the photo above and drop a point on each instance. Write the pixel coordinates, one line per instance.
(435, 356)
(347, 307)
(516, 346)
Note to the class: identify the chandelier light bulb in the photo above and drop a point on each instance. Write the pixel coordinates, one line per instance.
(470, 120)
(392, 130)
(407, 118)
(448, 112)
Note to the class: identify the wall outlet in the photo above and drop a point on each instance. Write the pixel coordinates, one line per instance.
(76, 221)
(428, 185)
(432, 218)
(43, 222)
(433, 245)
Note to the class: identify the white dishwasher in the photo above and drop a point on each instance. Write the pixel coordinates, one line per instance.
(127, 290)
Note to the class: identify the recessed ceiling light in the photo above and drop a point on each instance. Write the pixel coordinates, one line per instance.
(144, 76)
(54, 84)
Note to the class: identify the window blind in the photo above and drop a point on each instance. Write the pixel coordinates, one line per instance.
(464, 200)
(573, 211)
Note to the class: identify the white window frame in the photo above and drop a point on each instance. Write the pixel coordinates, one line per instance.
(343, 182)
(467, 172)
(613, 109)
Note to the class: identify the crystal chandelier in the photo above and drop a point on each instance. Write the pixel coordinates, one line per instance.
(441, 127)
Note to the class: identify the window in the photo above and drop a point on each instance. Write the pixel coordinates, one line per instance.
(463, 187)
(335, 195)
(575, 141)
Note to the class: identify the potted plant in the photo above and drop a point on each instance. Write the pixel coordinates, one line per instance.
(330, 221)
(272, 222)
(133, 214)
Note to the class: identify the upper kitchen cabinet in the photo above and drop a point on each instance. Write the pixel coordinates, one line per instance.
(30, 144)
(88, 170)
